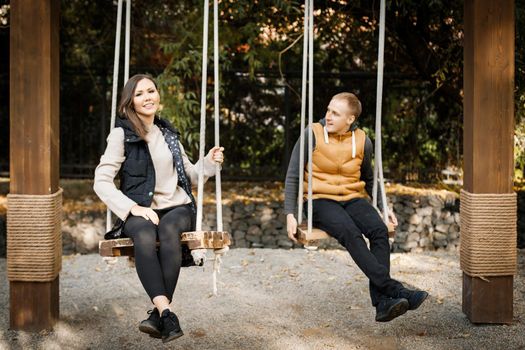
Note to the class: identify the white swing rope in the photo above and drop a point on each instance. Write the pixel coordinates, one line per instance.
(378, 164)
(300, 195)
(200, 254)
(116, 62)
(308, 62)
(308, 68)
(127, 43)
(218, 194)
(310, 107)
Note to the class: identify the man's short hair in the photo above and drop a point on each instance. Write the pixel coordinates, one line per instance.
(352, 100)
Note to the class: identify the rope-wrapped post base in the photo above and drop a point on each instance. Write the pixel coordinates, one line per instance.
(34, 237)
(34, 259)
(488, 253)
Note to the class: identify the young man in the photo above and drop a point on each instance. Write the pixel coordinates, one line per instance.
(341, 172)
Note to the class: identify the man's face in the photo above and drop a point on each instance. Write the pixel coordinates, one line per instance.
(338, 116)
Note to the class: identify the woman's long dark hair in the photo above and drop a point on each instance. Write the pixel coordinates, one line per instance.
(125, 106)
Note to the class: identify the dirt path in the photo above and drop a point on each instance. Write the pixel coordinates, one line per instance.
(269, 299)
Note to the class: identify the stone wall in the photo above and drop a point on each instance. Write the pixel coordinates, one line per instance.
(426, 222)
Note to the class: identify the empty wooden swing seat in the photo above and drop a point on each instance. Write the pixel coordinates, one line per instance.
(194, 240)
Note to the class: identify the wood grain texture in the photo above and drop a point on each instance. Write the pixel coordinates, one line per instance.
(311, 239)
(194, 240)
(488, 301)
(489, 96)
(34, 137)
(34, 305)
(488, 134)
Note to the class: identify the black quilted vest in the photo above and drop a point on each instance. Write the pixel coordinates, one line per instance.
(137, 174)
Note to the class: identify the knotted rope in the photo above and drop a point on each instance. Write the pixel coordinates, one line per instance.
(217, 265)
(488, 234)
(34, 237)
(199, 257)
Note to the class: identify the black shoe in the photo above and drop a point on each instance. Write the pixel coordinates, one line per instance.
(170, 326)
(415, 297)
(151, 325)
(389, 308)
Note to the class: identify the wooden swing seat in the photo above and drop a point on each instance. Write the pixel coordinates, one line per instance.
(313, 239)
(194, 240)
(206, 239)
(317, 234)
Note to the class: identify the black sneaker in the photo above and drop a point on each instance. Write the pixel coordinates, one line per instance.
(390, 308)
(415, 297)
(151, 325)
(170, 326)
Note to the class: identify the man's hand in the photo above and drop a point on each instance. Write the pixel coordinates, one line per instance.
(392, 218)
(146, 213)
(291, 227)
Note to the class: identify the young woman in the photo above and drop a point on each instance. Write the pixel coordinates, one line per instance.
(154, 201)
(341, 173)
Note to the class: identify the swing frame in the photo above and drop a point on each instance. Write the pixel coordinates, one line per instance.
(198, 239)
(306, 234)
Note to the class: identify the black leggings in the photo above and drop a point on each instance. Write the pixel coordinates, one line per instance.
(348, 222)
(158, 271)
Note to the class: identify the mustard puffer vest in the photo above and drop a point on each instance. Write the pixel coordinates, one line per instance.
(336, 173)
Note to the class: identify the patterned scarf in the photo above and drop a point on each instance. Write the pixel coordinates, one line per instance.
(172, 139)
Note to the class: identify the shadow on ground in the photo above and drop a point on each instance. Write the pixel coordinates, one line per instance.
(269, 299)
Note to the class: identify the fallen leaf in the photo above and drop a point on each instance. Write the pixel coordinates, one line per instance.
(198, 333)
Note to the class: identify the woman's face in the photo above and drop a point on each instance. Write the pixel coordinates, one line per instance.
(146, 98)
(338, 117)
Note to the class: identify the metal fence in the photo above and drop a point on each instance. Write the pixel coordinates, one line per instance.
(85, 113)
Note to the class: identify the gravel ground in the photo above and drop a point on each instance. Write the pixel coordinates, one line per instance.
(268, 299)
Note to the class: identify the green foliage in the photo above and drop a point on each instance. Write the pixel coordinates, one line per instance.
(422, 98)
(4, 15)
(519, 152)
(425, 113)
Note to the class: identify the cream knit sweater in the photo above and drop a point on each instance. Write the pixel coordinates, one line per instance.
(167, 192)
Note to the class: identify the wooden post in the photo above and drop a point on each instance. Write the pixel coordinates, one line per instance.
(488, 134)
(34, 144)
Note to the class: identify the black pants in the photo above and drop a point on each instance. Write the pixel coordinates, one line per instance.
(348, 222)
(158, 271)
